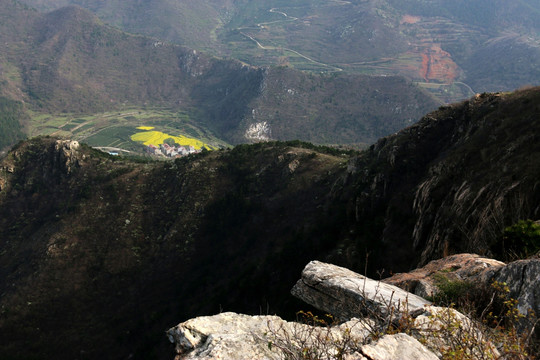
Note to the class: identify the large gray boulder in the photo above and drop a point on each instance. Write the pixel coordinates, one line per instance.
(238, 337)
(397, 346)
(224, 336)
(346, 294)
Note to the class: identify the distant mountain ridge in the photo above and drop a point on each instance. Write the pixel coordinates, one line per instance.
(480, 45)
(69, 61)
(102, 252)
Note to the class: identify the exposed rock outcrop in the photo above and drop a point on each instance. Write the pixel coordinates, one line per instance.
(466, 267)
(239, 337)
(398, 346)
(522, 277)
(347, 294)
(523, 280)
(67, 151)
(225, 336)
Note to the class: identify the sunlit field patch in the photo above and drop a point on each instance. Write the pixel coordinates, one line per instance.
(158, 138)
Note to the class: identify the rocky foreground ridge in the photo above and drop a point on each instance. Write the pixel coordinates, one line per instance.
(125, 246)
(365, 308)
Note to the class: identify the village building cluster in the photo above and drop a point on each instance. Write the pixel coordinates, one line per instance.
(171, 151)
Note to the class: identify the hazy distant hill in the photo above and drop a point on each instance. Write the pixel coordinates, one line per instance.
(452, 45)
(490, 15)
(69, 61)
(187, 22)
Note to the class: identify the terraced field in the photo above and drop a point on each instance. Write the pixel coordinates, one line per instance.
(122, 130)
(462, 46)
(426, 50)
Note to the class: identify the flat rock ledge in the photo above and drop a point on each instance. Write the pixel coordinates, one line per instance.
(242, 337)
(346, 294)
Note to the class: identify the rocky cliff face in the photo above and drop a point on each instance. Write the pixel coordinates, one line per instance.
(523, 279)
(454, 180)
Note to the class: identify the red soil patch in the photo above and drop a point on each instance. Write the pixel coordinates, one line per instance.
(438, 65)
(409, 19)
(424, 69)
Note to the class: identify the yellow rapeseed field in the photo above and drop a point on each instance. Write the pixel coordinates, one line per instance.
(157, 138)
(145, 127)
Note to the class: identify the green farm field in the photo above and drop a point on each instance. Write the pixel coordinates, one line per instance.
(114, 129)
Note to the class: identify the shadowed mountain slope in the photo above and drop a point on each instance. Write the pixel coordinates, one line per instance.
(100, 254)
(454, 180)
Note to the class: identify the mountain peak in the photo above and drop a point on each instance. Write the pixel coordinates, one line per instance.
(72, 14)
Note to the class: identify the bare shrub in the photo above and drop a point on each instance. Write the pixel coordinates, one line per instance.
(314, 338)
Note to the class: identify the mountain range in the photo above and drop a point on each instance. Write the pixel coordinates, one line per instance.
(99, 254)
(453, 49)
(68, 62)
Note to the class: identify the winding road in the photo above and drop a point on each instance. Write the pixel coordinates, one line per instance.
(289, 18)
(109, 148)
(467, 86)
